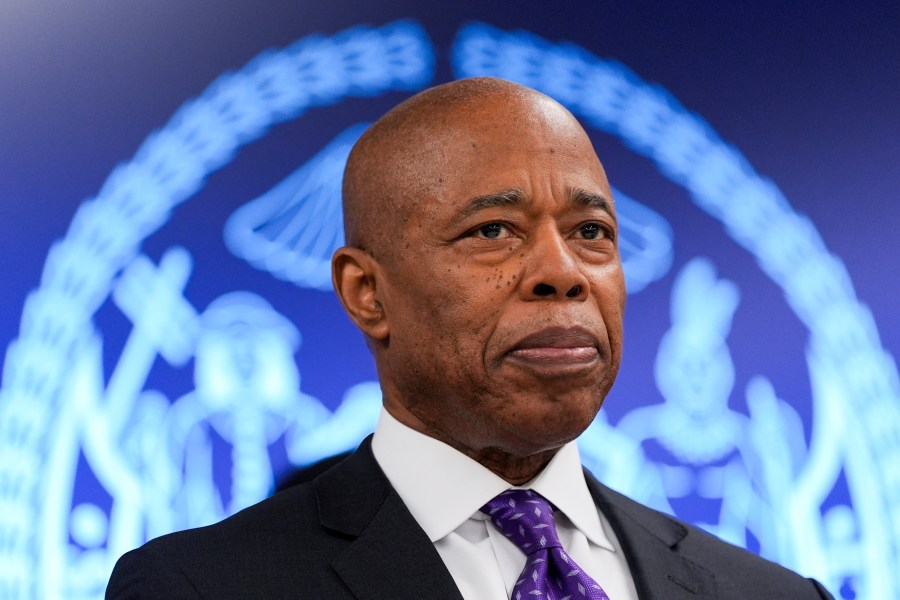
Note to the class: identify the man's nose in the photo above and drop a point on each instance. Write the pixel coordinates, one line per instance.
(552, 270)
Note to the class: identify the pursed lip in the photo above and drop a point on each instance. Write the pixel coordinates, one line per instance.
(557, 346)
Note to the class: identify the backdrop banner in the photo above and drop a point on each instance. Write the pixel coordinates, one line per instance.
(170, 198)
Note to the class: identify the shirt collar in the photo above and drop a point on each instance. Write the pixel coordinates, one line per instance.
(443, 487)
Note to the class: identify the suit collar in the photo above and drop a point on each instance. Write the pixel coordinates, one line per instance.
(650, 541)
(350, 494)
(442, 499)
(389, 555)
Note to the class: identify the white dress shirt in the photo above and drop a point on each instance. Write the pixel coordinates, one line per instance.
(444, 490)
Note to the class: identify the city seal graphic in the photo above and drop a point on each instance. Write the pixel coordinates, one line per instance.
(64, 420)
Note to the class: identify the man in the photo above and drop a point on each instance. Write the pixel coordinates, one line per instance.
(482, 266)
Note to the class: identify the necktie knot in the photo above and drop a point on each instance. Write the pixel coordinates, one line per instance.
(525, 517)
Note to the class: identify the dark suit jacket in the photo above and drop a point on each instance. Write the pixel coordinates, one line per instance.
(347, 534)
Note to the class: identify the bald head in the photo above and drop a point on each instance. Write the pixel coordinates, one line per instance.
(482, 237)
(408, 154)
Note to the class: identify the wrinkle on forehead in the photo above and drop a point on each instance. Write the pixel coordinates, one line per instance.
(404, 158)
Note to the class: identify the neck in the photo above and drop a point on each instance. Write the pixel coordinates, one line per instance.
(517, 470)
(514, 468)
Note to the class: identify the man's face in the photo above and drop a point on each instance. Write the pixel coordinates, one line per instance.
(505, 293)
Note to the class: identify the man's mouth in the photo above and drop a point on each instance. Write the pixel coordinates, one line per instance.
(557, 346)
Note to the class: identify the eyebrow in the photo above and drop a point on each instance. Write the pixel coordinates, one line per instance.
(516, 197)
(588, 199)
(505, 198)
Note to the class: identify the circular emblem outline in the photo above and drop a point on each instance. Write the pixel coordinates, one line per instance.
(171, 165)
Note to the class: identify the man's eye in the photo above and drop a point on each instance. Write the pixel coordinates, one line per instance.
(492, 231)
(592, 231)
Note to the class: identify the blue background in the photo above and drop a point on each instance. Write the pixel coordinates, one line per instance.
(808, 95)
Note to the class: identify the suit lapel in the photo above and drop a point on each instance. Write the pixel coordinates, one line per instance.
(389, 555)
(649, 540)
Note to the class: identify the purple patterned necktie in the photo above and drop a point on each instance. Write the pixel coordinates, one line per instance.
(526, 518)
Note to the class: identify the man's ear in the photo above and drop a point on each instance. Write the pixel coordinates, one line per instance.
(355, 276)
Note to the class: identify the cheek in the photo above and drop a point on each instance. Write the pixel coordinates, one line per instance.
(455, 300)
(462, 296)
(464, 315)
(461, 315)
(610, 296)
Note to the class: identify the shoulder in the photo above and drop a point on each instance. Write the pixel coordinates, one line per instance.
(260, 543)
(283, 542)
(658, 545)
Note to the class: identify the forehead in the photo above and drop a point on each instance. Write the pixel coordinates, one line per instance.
(538, 148)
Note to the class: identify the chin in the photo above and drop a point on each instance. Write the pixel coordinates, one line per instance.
(547, 430)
